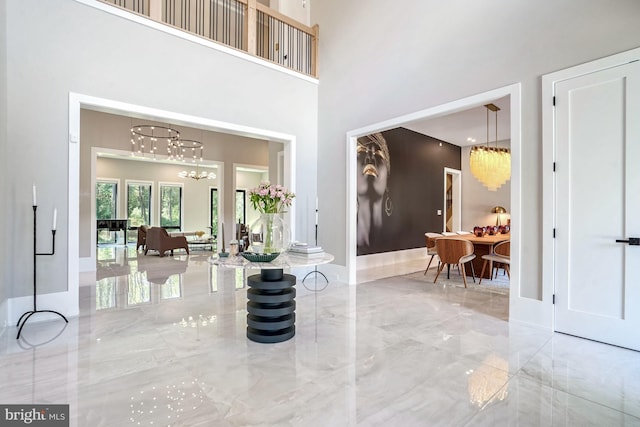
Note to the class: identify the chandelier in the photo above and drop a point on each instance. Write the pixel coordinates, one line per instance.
(145, 139)
(178, 149)
(197, 174)
(491, 165)
(150, 134)
(182, 149)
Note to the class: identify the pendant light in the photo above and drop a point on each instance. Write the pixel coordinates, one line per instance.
(491, 165)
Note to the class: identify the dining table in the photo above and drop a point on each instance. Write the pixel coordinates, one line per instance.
(482, 245)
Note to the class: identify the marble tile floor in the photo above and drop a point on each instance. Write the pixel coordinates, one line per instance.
(170, 350)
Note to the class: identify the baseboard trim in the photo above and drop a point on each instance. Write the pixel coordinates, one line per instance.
(65, 303)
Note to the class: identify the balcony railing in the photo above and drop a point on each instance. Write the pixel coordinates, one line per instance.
(242, 24)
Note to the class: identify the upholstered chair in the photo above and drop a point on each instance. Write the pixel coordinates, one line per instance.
(142, 237)
(159, 240)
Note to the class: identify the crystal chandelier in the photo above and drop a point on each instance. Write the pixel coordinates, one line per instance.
(491, 165)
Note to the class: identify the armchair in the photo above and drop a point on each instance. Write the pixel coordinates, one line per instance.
(142, 237)
(159, 240)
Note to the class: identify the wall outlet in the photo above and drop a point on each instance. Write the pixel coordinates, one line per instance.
(439, 212)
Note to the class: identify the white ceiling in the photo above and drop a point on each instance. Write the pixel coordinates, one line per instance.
(455, 128)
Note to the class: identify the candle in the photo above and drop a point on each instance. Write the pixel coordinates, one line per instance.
(55, 218)
(34, 195)
(222, 237)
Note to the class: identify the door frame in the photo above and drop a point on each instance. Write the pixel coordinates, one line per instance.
(456, 202)
(514, 91)
(548, 158)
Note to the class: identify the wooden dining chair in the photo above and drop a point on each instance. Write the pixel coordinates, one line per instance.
(458, 252)
(501, 255)
(431, 247)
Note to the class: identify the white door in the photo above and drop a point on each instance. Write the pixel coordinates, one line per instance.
(597, 280)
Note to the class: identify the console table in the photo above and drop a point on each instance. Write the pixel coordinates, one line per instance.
(113, 225)
(271, 298)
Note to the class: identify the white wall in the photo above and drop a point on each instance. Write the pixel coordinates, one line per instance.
(5, 193)
(379, 62)
(300, 10)
(55, 48)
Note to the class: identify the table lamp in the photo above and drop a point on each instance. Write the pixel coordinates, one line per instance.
(498, 210)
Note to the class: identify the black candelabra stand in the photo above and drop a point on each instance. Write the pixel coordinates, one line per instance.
(27, 315)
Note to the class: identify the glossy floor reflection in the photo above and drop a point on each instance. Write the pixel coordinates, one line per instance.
(161, 341)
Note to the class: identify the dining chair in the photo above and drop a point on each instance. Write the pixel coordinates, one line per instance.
(431, 247)
(452, 251)
(501, 255)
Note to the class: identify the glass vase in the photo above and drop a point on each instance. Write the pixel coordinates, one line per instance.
(269, 234)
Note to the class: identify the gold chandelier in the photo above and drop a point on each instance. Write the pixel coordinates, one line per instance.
(491, 165)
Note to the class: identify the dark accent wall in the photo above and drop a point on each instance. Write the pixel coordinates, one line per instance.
(416, 188)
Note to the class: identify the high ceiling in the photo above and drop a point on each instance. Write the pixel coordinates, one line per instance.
(455, 128)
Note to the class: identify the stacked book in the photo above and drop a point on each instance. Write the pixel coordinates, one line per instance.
(304, 250)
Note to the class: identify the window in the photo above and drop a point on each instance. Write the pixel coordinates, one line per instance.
(171, 206)
(106, 197)
(214, 212)
(241, 210)
(106, 207)
(138, 204)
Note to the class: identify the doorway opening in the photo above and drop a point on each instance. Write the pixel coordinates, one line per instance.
(452, 215)
(513, 92)
(80, 101)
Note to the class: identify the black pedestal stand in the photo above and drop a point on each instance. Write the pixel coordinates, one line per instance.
(26, 316)
(271, 306)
